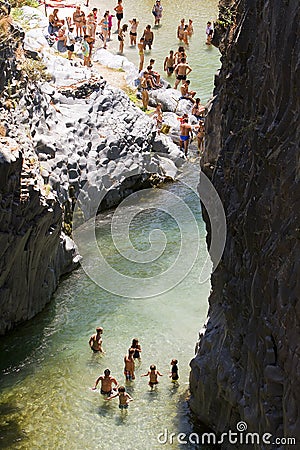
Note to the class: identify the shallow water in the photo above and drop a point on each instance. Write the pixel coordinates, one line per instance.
(47, 368)
(203, 59)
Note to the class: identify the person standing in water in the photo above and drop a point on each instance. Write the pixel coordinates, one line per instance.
(106, 383)
(121, 36)
(148, 37)
(137, 349)
(95, 341)
(129, 365)
(153, 376)
(133, 31)
(141, 54)
(174, 371)
(124, 398)
(119, 13)
(169, 63)
(209, 33)
(157, 12)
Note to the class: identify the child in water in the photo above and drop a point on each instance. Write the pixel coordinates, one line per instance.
(153, 375)
(174, 371)
(137, 349)
(124, 397)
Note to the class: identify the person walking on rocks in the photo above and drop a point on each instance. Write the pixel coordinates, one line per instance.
(119, 13)
(91, 25)
(95, 341)
(181, 70)
(185, 133)
(106, 383)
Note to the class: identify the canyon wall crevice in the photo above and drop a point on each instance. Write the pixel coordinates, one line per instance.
(247, 365)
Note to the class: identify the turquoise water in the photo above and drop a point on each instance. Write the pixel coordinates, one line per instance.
(47, 368)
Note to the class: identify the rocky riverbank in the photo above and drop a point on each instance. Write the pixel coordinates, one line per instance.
(247, 362)
(71, 130)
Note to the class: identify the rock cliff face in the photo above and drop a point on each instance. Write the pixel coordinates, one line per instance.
(247, 364)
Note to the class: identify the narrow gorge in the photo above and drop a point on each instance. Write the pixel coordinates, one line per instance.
(247, 363)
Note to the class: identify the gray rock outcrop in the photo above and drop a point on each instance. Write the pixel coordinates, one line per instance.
(57, 139)
(247, 361)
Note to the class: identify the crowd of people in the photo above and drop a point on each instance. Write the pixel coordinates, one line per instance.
(109, 386)
(83, 28)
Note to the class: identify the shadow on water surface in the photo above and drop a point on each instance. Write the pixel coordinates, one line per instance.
(19, 344)
(10, 431)
(187, 423)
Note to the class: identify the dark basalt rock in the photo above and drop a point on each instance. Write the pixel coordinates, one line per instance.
(248, 357)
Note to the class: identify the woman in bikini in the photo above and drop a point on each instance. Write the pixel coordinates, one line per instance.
(133, 31)
(104, 28)
(121, 36)
(141, 53)
(79, 19)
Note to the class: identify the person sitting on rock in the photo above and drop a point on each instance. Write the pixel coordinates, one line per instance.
(198, 110)
(54, 22)
(185, 93)
(154, 78)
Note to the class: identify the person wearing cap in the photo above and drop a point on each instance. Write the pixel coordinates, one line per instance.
(70, 41)
(95, 341)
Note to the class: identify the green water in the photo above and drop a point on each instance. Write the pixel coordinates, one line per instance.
(47, 368)
(203, 59)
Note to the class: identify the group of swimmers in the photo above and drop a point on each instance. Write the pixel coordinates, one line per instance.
(110, 388)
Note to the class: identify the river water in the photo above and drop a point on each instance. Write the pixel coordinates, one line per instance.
(47, 368)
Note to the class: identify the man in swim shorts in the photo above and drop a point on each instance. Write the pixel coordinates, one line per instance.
(181, 71)
(95, 341)
(129, 365)
(106, 383)
(185, 132)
